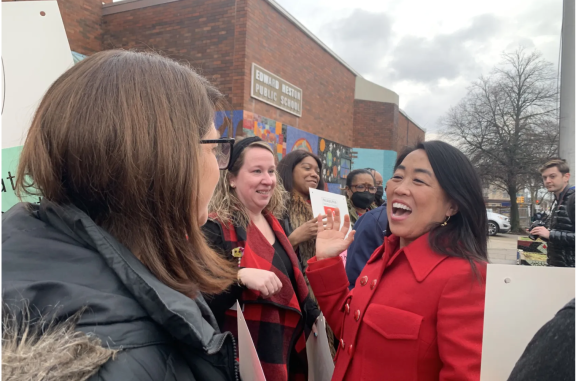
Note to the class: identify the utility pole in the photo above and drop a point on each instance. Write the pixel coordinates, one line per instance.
(567, 101)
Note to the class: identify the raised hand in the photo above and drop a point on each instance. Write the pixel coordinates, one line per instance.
(331, 240)
(260, 280)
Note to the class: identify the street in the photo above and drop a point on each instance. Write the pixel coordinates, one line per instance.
(502, 249)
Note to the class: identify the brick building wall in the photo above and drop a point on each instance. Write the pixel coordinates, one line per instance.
(277, 45)
(209, 35)
(83, 24)
(222, 38)
(408, 133)
(375, 125)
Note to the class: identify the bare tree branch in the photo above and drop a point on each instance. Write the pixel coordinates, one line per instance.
(506, 124)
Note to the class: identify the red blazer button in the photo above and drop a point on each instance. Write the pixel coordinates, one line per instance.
(342, 344)
(373, 284)
(347, 307)
(357, 315)
(364, 280)
(350, 349)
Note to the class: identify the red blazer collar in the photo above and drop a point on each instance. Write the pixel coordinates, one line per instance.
(420, 256)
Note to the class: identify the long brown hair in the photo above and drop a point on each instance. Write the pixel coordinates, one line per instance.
(226, 204)
(118, 136)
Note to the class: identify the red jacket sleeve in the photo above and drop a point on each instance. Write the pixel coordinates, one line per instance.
(460, 325)
(329, 282)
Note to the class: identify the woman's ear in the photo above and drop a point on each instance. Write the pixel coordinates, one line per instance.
(453, 209)
(231, 180)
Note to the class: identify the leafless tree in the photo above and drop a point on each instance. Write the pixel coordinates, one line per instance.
(507, 123)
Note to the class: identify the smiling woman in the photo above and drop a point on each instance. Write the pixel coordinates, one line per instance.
(271, 286)
(417, 310)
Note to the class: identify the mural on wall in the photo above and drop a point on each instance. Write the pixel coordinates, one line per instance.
(269, 130)
(298, 139)
(335, 160)
(283, 139)
(334, 188)
(226, 119)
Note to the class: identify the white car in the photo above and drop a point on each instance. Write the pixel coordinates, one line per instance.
(497, 223)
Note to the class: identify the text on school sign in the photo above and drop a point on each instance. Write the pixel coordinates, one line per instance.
(271, 89)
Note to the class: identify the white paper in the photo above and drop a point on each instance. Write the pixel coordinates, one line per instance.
(519, 301)
(325, 202)
(320, 363)
(250, 367)
(35, 52)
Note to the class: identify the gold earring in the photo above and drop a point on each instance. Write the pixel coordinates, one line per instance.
(445, 221)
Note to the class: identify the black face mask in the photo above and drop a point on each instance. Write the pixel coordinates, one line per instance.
(362, 199)
(379, 192)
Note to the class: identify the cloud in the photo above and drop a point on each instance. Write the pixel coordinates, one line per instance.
(444, 56)
(361, 39)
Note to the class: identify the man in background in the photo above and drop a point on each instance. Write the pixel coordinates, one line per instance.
(560, 234)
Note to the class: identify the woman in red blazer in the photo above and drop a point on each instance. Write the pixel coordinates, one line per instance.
(417, 310)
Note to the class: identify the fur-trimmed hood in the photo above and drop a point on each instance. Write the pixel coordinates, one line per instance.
(45, 350)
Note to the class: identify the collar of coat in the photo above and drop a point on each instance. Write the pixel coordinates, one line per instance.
(565, 194)
(190, 321)
(259, 254)
(420, 256)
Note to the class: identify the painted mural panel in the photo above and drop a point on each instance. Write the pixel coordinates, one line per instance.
(298, 139)
(335, 160)
(334, 188)
(272, 132)
(224, 120)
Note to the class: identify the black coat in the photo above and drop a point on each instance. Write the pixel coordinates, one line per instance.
(550, 354)
(561, 240)
(57, 260)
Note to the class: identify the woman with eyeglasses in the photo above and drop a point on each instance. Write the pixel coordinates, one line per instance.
(104, 278)
(417, 311)
(361, 192)
(271, 288)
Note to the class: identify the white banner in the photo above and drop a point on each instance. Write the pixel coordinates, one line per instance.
(35, 52)
(519, 301)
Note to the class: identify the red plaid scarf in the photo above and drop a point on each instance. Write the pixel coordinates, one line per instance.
(276, 324)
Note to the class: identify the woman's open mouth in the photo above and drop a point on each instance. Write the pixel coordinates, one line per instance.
(400, 211)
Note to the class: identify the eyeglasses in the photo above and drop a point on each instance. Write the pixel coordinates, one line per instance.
(362, 188)
(223, 151)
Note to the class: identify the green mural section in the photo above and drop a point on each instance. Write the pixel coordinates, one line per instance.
(9, 167)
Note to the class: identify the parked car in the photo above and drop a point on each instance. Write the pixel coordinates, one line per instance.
(497, 223)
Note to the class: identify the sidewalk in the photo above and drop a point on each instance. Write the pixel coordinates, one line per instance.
(502, 249)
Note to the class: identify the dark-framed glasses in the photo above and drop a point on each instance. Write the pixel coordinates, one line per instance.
(363, 188)
(223, 150)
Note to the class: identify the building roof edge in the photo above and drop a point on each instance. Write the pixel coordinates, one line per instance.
(410, 119)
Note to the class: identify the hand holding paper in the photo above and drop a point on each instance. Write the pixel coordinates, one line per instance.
(332, 239)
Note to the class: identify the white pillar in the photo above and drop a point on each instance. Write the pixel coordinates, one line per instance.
(567, 101)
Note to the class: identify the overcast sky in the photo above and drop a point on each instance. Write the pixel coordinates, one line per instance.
(428, 52)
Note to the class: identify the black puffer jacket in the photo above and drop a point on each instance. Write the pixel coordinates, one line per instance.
(56, 260)
(561, 241)
(550, 354)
